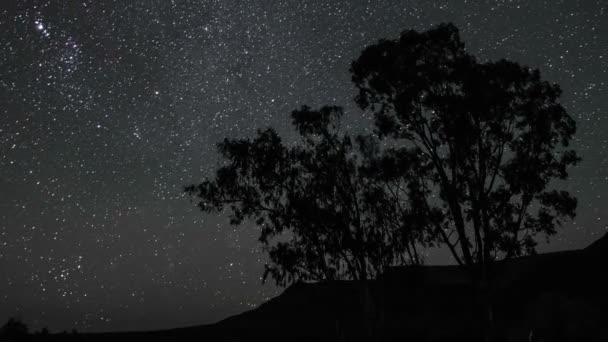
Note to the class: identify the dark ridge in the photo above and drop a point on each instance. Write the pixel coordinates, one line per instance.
(561, 296)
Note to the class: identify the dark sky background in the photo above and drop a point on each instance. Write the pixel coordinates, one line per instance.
(108, 108)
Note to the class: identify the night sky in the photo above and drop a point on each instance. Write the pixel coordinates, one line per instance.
(108, 108)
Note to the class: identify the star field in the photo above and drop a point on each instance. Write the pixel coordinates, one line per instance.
(108, 108)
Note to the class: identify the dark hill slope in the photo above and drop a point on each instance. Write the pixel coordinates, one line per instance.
(560, 296)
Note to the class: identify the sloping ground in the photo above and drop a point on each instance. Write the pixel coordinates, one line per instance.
(561, 296)
(557, 296)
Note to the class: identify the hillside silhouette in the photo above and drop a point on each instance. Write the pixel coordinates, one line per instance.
(557, 296)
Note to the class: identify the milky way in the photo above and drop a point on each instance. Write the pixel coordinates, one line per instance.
(108, 108)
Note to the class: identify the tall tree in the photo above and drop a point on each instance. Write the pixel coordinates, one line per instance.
(491, 141)
(490, 137)
(321, 213)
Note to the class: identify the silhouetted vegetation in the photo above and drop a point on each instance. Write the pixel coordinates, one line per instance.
(463, 156)
(322, 213)
(486, 140)
(474, 147)
(14, 329)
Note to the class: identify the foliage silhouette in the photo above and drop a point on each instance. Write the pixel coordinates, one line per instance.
(475, 147)
(322, 215)
(489, 138)
(13, 329)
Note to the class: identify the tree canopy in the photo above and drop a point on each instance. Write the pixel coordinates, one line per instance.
(323, 213)
(464, 155)
(489, 139)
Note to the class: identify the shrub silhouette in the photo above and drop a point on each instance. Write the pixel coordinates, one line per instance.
(14, 329)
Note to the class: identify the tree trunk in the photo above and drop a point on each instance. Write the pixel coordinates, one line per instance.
(367, 310)
(488, 321)
(485, 307)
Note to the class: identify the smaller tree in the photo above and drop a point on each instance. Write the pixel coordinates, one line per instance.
(323, 213)
(13, 329)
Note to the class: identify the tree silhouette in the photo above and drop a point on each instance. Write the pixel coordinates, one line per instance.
(322, 215)
(13, 329)
(490, 139)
